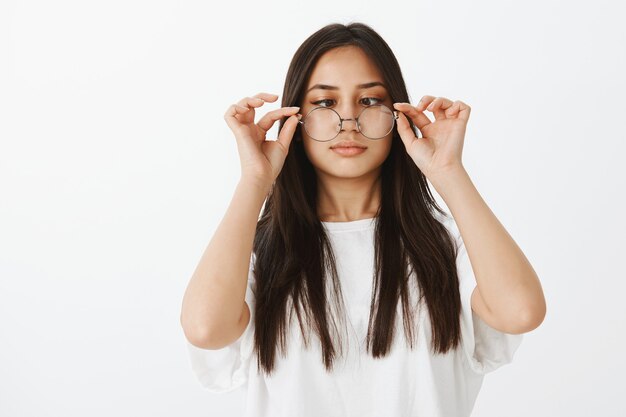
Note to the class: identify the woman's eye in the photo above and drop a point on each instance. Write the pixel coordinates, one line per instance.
(319, 102)
(372, 98)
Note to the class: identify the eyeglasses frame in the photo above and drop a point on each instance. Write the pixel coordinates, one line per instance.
(356, 119)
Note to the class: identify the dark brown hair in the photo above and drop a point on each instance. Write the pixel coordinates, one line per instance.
(293, 252)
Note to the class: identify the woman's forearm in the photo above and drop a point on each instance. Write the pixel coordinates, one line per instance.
(505, 278)
(214, 298)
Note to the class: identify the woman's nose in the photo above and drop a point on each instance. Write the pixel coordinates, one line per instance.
(346, 124)
(348, 116)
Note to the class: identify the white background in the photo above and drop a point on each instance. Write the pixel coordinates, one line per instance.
(116, 166)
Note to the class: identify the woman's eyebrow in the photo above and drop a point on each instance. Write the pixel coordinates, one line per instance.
(360, 86)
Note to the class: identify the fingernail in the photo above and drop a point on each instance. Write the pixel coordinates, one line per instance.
(294, 108)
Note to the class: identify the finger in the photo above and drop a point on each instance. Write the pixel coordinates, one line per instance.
(408, 136)
(464, 110)
(424, 102)
(453, 110)
(267, 96)
(251, 102)
(286, 132)
(418, 117)
(438, 106)
(268, 120)
(258, 98)
(230, 114)
(404, 130)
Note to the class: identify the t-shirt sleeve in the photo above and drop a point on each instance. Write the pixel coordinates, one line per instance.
(485, 348)
(222, 370)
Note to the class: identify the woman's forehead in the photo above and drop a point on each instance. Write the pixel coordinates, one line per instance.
(344, 69)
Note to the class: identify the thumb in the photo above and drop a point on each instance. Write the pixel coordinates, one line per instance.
(404, 130)
(286, 132)
(276, 150)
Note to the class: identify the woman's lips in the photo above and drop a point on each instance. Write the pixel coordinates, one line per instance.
(353, 150)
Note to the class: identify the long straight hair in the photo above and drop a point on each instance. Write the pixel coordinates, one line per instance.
(294, 255)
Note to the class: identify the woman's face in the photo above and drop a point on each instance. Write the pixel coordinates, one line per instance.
(341, 71)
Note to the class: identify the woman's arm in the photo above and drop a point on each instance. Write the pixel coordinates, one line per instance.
(509, 296)
(214, 312)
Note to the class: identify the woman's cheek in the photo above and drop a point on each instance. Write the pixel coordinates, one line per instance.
(317, 157)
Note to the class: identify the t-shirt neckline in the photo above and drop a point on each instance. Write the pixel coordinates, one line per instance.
(360, 224)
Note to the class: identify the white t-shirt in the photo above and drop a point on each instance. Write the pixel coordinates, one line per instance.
(404, 383)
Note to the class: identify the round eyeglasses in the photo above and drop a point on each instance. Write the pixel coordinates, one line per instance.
(323, 124)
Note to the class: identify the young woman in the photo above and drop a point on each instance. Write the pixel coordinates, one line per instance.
(354, 294)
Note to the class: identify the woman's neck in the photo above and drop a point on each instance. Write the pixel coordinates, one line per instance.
(348, 199)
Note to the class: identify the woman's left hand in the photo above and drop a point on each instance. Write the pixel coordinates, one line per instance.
(442, 143)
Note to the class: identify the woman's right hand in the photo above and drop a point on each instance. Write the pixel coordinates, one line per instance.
(261, 160)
